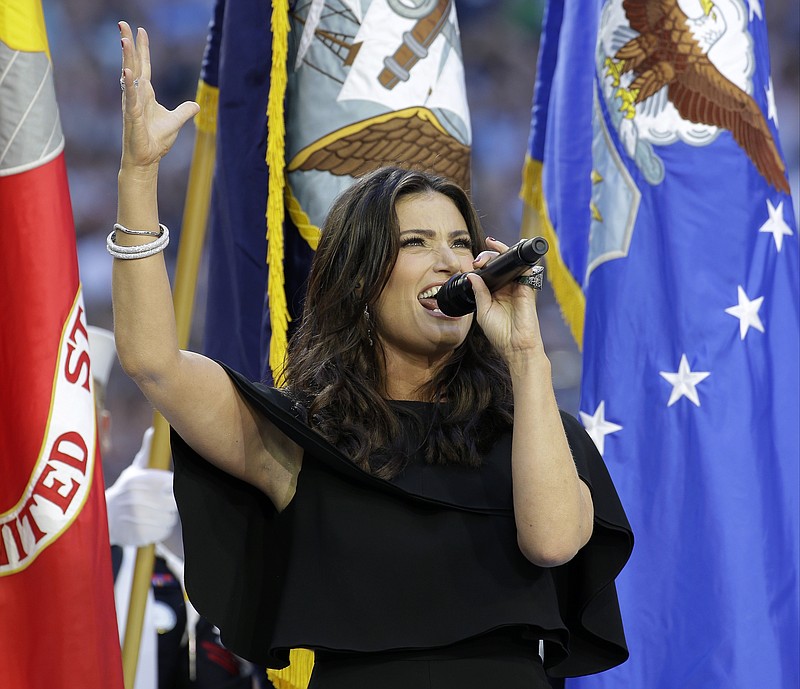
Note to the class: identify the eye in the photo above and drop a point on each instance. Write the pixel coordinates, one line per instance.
(463, 243)
(412, 241)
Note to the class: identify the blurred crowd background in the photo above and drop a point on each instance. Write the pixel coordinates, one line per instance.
(500, 40)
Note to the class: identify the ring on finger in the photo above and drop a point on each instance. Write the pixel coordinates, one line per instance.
(122, 83)
(535, 280)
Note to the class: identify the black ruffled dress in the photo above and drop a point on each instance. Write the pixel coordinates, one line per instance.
(357, 564)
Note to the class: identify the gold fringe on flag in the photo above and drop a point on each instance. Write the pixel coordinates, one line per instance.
(298, 674)
(308, 230)
(301, 661)
(276, 130)
(208, 99)
(536, 221)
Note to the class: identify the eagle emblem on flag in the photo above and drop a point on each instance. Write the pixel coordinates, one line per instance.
(372, 84)
(682, 70)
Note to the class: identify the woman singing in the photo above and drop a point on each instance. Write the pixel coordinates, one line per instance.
(411, 505)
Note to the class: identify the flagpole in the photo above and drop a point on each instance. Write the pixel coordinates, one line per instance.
(190, 250)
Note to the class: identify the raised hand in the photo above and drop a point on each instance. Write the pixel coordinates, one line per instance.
(508, 315)
(149, 129)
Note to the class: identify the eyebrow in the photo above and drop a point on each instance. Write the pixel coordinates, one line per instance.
(432, 233)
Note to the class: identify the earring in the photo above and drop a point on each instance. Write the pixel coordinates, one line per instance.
(369, 330)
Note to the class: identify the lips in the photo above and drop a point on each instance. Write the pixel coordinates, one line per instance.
(428, 297)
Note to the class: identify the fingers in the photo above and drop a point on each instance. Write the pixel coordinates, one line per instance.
(495, 248)
(483, 258)
(128, 48)
(483, 298)
(135, 51)
(186, 111)
(143, 53)
(496, 245)
(142, 458)
(135, 59)
(129, 66)
(125, 29)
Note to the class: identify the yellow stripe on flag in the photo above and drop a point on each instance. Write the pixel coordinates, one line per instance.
(22, 26)
(208, 99)
(536, 221)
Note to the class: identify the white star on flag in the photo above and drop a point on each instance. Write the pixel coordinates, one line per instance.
(772, 111)
(747, 313)
(684, 382)
(776, 225)
(755, 9)
(597, 427)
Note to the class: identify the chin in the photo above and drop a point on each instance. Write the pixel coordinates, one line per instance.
(451, 338)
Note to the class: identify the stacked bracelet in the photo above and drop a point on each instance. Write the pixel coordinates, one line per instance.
(140, 250)
(148, 233)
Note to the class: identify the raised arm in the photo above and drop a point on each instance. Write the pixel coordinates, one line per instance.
(553, 507)
(193, 393)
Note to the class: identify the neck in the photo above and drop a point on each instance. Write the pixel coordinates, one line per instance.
(407, 374)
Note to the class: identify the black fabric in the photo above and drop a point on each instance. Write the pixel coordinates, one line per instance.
(501, 659)
(172, 655)
(359, 564)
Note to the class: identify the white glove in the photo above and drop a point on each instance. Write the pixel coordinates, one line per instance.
(141, 507)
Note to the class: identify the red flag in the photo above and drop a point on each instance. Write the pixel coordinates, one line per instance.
(58, 626)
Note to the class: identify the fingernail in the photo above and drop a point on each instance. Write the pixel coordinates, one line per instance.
(492, 238)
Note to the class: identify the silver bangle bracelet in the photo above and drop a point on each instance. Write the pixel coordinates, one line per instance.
(139, 251)
(148, 233)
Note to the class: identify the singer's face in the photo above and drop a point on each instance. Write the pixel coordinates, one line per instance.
(434, 245)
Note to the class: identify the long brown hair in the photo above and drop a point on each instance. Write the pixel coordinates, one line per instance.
(335, 372)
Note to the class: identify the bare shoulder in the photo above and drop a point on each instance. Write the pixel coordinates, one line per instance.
(213, 417)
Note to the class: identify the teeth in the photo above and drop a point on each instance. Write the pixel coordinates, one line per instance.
(428, 293)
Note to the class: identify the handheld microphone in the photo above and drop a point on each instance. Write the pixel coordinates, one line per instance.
(456, 298)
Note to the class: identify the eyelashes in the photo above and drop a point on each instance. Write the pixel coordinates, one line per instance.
(460, 242)
(411, 241)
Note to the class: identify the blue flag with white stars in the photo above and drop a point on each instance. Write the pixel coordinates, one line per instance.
(655, 169)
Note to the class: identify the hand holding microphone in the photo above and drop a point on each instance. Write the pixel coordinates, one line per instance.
(456, 298)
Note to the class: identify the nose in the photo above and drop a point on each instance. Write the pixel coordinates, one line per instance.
(447, 260)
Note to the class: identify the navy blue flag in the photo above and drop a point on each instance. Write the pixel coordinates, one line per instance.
(234, 93)
(236, 70)
(298, 86)
(655, 170)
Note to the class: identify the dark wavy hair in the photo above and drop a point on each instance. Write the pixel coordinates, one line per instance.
(336, 374)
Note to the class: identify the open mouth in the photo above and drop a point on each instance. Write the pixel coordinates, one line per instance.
(428, 298)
